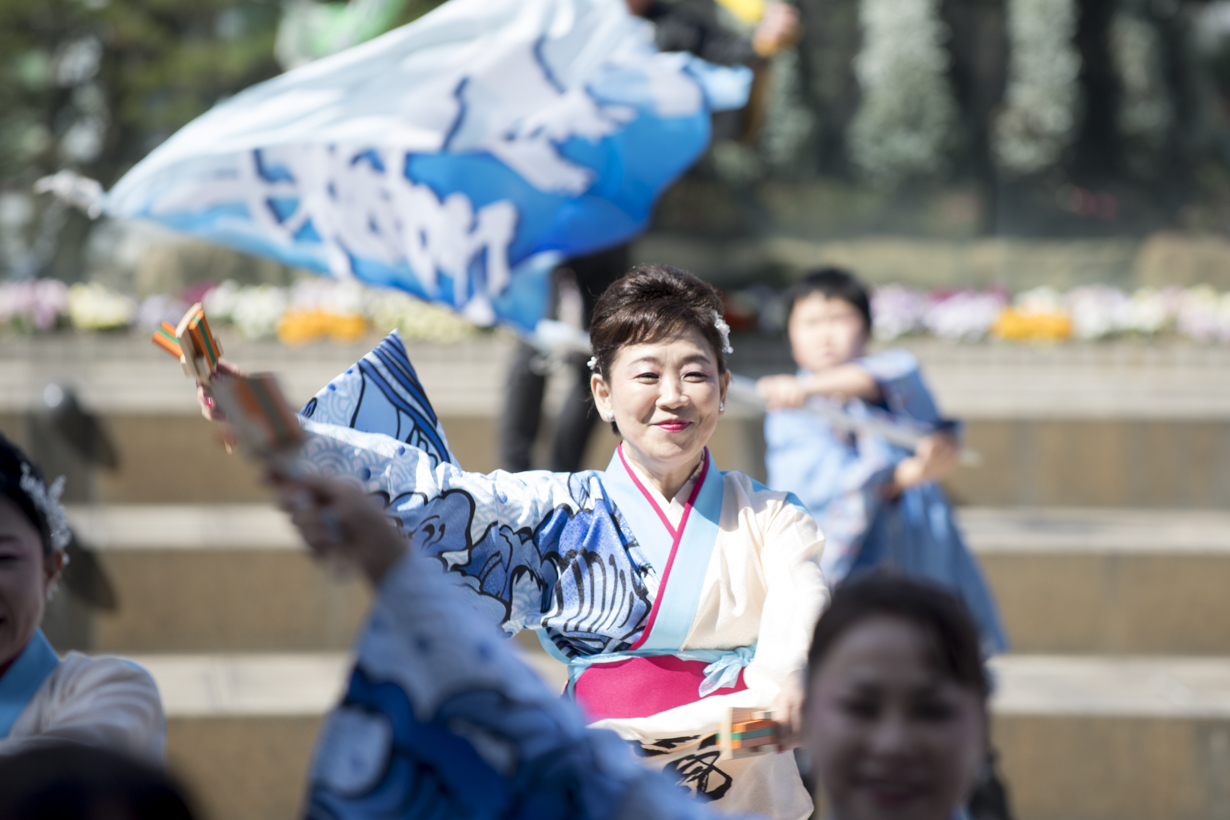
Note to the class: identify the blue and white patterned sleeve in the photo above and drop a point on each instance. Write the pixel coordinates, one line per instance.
(441, 719)
(534, 548)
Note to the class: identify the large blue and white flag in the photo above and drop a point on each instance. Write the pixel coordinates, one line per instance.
(459, 158)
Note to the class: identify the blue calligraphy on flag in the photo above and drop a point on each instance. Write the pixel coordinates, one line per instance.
(459, 158)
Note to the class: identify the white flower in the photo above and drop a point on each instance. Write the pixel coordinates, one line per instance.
(1098, 311)
(258, 310)
(896, 312)
(1039, 300)
(220, 302)
(341, 297)
(96, 307)
(158, 309)
(390, 309)
(965, 315)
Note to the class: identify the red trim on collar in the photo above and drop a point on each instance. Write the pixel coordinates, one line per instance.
(678, 537)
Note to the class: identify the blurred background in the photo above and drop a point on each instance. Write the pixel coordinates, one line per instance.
(1039, 190)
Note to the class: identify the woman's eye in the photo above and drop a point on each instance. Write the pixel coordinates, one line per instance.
(696, 375)
(933, 711)
(648, 376)
(861, 708)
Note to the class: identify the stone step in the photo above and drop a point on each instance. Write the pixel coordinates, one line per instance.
(1112, 462)
(1080, 738)
(209, 578)
(1095, 425)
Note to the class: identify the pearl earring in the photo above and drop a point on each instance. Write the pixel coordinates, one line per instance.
(721, 407)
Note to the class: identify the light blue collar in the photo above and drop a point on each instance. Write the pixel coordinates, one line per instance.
(682, 572)
(22, 680)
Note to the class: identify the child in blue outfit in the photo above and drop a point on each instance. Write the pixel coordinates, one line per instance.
(877, 503)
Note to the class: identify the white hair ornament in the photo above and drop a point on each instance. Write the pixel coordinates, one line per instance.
(47, 499)
(592, 364)
(723, 330)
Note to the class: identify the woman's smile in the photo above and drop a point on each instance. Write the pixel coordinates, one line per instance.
(673, 425)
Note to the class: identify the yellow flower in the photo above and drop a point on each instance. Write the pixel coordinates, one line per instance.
(302, 326)
(1015, 326)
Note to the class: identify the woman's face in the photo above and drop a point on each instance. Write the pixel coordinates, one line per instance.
(665, 397)
(889, 737)
(25, 579)
(825, 332)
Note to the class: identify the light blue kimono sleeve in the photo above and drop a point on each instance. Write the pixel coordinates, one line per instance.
(442, 719)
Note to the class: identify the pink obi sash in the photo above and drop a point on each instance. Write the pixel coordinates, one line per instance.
(640, 687)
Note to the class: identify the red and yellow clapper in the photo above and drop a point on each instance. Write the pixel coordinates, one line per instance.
(193, 343)
(748, 732)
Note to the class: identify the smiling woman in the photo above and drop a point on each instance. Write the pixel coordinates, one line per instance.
(102, 701)
(896, 717)
(672, 590)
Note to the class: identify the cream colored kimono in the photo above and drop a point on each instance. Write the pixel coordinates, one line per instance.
(105, 701)
(667, 614)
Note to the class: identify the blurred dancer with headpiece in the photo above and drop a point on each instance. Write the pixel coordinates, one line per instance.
(104, 701)
(673, 591)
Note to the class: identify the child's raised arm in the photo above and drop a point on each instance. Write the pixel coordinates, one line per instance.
(846, 381)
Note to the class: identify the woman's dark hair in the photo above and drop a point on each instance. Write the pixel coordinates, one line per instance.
(955, 651)
(11, 461)
(66, 780)
(654, 302)
(832, 283)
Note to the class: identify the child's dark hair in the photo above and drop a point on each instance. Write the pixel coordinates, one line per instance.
(955, 651)
(832, 283)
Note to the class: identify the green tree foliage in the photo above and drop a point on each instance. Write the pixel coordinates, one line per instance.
(95, 85)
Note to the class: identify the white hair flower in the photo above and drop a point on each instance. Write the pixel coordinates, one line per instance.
(592, 364)
(723, 330)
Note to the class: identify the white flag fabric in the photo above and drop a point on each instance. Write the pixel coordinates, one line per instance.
(459, 157)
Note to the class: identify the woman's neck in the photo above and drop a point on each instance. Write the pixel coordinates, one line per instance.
(666, 479)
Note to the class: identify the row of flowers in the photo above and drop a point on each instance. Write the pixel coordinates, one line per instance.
(311, 309)
(1086, 313)
(346, 311)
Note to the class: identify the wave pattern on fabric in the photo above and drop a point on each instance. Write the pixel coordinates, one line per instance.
(382, 394)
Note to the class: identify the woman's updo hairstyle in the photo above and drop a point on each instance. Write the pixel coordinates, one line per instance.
(954, 652)
(652, 303)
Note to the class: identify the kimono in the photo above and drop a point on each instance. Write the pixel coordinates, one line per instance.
(842, 477)
(105, 701)
(667, 612)
(442, 719)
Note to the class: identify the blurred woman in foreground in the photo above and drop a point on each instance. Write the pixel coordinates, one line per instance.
(895, 720)
(104, 701)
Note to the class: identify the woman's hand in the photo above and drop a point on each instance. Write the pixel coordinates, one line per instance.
(205, 396)
(341, 523)
(936, 456)
(781, 392)
(788, 712)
